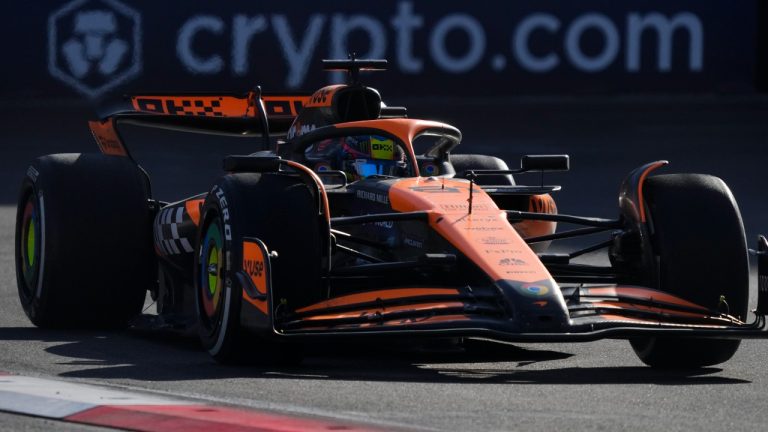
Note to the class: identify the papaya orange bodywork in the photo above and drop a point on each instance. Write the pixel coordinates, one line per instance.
(200, 106)
(641, 202)
(324, 96)
(254, 262)
(640, 294)
(385, 310)
(193, 207)
(620, 306)
(532, 228)
(107, 138)
(280, 103)
(379, 295)
(411, 322)
(483, 235)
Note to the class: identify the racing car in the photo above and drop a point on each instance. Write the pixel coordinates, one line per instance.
(351, 220)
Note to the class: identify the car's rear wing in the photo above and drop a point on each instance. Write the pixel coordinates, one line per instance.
(250, 114)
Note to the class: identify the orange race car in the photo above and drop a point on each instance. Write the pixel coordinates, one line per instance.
(359, 222)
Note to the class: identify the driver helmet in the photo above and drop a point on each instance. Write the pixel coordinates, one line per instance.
(358, 156)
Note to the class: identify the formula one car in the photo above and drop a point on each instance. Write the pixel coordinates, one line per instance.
(352, 220)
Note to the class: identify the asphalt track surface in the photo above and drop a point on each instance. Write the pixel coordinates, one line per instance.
(592, 386)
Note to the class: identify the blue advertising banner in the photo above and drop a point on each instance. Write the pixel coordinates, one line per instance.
(101, 48)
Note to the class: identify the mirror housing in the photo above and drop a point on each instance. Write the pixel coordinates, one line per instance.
(545, 163)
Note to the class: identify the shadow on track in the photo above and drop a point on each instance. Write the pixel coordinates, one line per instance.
(124, 355)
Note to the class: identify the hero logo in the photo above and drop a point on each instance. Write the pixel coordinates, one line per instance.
(94, 45)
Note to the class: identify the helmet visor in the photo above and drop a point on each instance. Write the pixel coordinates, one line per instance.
(370, 167)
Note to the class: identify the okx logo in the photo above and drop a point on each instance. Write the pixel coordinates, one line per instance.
(94, 45)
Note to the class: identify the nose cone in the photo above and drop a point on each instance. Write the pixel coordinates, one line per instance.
(536, 306)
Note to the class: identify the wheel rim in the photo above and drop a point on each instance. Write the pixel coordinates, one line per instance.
(30, 245)
(211, 276)
(212, 269)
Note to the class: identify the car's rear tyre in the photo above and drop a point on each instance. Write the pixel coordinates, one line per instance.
(698, 239)
(462, 163)
(83, 241)
(280, 211)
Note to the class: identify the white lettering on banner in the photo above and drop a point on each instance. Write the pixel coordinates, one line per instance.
(341, 28)
(665, 29)
(404, 24)
(474, 31)
(298, 57)
(192, 61)
(299, 43)
(520, 43)
(636, 26)
(95, 45)
(610, 42)
(244, 28)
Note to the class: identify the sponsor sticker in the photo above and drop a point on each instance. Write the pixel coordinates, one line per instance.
(502, 251)
(535, 290)
(494, 241)
(253, 264)
(219, 193)
(382, 148)
(372, 196)
(430, 169)
(511, 262)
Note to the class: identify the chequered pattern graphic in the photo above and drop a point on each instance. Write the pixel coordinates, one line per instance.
(167, 237)
(204, 107)
(199, 108)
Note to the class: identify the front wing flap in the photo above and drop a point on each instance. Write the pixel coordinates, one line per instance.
(595, 313)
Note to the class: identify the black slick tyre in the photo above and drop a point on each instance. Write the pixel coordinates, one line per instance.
(280, 211)
(83, 241)
(698, 239)
(463, 163)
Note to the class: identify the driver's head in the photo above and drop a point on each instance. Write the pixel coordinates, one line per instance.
(358, 156)
(367, 155)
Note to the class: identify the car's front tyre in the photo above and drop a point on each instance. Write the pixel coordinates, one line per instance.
(698, 240)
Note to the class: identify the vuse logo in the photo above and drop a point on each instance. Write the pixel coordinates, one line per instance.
(94, 45)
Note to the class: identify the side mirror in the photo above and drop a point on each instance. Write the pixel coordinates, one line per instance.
(545, 163)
